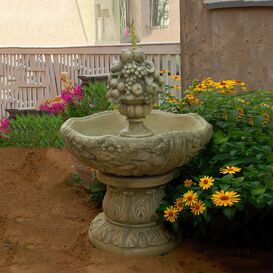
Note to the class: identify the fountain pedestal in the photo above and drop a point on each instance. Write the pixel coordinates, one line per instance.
(129, 224)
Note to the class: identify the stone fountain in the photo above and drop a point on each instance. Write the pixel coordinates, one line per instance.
(135, 152)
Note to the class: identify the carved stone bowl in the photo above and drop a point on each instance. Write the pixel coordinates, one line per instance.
(95, 140)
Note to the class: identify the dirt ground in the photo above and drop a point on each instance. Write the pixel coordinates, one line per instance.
(44, 223)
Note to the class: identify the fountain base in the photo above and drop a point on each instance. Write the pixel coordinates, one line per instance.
(129, 224)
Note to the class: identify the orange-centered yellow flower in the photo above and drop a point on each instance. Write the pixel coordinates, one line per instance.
(188, 183)
(222, 198)
(190, 198)
(198, 208)
(170, 214)
(179, 204)
(176, 78)
(164, 71)
(230, 170)
(206, 182)
(176, 87)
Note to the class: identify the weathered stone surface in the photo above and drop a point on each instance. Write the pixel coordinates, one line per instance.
(95, 140)
(211, 48)
(134, 157)
(129, 221)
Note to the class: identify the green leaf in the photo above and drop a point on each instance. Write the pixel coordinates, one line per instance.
(229, 212)
(258, 191)
(224, 187)
(219, 138)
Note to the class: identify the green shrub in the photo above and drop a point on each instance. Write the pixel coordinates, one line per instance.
(44, 130)
(94, 100)
(35, 131)
(243, 138)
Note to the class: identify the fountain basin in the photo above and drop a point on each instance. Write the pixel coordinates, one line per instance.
(95, 140)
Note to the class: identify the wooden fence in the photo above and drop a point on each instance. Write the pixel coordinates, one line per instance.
(28, 75)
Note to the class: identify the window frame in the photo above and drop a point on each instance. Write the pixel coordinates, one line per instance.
(161, 26)
(220, 4)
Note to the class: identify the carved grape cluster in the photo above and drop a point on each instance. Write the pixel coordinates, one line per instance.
(134, 80)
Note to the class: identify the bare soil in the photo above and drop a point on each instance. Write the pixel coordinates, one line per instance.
(44, 223)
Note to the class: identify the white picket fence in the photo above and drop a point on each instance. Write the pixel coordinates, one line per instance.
(28, 75)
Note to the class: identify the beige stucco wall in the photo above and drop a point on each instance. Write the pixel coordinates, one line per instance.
(235, 43)
(140, 12)
(86, 11)
(46, 23)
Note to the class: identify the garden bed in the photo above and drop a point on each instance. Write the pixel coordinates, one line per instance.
(44, 220)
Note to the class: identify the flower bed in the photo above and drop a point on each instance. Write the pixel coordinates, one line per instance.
(44, 130)
(229, 186)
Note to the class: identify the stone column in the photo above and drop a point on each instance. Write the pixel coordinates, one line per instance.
(129, 224)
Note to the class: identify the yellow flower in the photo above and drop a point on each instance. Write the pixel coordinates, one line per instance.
(250, 121)
(230, 170)
(176, 77)
(170, 214)
(188, 183)
(198, 208)
(225, 86)
(241, 100)
(224, 116)
(172, 101)
(179, 204)
(266, 119)
(206, 182)
(164, 71)
(241, 114)
(176, 87)
(265, 105)
(190, 198)
(191, 99)
(222, 198)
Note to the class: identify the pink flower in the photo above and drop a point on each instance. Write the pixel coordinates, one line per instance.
(4, 125)
(44, 107)
(67, 96)
(126, 32)
(78, 92)
(70, 94)
(56, 108)
(4, 128)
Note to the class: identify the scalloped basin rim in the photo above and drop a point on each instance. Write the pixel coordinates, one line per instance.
(95, 141)
(110, 123)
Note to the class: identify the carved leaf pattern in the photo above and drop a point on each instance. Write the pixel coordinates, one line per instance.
(117, 205)
(140, 209)
(155, 155)
(130, 237)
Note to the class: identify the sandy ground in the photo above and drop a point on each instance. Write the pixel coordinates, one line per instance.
(44, 223)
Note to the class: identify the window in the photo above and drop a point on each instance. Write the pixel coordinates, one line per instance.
(217, 4)
(124, 19)
(159, 13)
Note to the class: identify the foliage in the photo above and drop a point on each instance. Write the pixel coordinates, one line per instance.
(97, 191)
(79, 101)
(34, 131)
(243, 137)
(93, 99)
(44, 130)
(133, 36)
